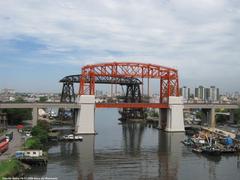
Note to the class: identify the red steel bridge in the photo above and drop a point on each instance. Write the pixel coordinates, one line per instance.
(129, 74)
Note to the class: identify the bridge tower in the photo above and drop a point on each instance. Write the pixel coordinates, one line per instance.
(85, 119)
(175, 122)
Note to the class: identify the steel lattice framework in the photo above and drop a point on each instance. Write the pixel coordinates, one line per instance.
(133, 93)
(169, 82)
(133, 86)
(102, 80)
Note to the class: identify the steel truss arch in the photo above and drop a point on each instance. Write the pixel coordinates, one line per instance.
(169, 82)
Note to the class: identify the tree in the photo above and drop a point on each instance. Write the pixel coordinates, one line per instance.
(33, 143)
(44, 124)
(237, 115)
(40, 132)
(199, 115)
(221, 118)
(43, 99)
(19, 100)
(16, 116)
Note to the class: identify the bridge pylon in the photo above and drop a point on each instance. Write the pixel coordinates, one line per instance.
(85, 119)
(172, 119)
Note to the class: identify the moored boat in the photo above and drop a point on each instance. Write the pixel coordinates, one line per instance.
(188, 142)
(211, 150)
(197, 150)
(71, 137)
(4, 145)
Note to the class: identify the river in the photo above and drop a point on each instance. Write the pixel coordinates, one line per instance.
(132, 151)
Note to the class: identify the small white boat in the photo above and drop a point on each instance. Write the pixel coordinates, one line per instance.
(72, 137)
(78, 137)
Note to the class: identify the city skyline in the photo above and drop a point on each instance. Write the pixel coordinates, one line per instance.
(43, 41)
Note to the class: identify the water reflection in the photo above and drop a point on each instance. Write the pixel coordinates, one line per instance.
(85, 152)
(168, 154)
(132, 136)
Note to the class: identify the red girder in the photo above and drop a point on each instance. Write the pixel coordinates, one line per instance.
(169, 85)
(131, 105)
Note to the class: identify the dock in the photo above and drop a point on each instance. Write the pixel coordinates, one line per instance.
(220, 132)
(34, 161)
(32, 157)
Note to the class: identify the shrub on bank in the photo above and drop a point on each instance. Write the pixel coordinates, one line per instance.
(33, 143)
(10, 168)
(40, 136)
(40, 133)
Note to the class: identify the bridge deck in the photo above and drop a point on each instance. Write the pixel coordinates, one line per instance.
(114, 105)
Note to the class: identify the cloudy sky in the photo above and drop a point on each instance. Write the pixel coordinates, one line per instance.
(42, 41)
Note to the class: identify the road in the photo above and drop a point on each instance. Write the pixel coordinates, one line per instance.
(14, 145)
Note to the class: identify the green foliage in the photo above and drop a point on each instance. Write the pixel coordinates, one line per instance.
(221, 110)
(9, 168)
(43, 99)
(40, 133)
(44, 124)
(19, 100)
(145, 115)
(154, 113)
(237, 115)
(33, 143)
(221, 118)
(2, 131)
(199, 115)
(16, 116)
(40, 136)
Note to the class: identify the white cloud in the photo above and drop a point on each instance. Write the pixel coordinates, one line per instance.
(198, 37)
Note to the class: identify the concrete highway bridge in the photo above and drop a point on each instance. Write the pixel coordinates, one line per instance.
(209, 109)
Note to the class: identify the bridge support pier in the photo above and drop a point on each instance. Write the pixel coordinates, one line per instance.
(34, 116)
(162, 119)
(231, 116)
(175, 121)
(85, 122)
(213, 118)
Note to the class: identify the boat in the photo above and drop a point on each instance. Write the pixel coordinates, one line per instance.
(211, 150)
(71, 137)
(78, 137)
(197, 150)
(230, 150)
(188, 142)
(4, 145)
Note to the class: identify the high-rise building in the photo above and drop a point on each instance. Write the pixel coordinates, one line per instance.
(200, 93)
(214, 94)
(185, 92)
(196, 95)
(207, 94)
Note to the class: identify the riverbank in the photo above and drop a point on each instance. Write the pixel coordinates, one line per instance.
(11, 168)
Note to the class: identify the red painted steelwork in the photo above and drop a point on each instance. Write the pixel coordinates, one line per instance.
(169, 83)
(131, 105)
